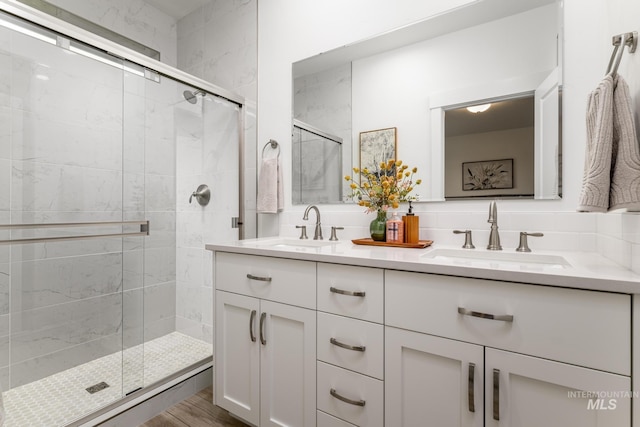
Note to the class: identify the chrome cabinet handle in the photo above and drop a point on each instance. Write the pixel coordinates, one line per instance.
(471, 395)
(501, 317)
(350, 293)
(263, 340)
(252, 322)
(496, 394)
(347, 346)
(335, 394)
(261, 279)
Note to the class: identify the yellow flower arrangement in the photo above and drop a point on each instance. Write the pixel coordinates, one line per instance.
(385, 188)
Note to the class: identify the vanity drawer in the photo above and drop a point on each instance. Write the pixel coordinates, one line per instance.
(353, 387)
(326, 420)
(585, 328)
(334, 278)
(368, 338)
(275, 279)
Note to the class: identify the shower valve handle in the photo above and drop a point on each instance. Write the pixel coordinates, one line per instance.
(202, 195)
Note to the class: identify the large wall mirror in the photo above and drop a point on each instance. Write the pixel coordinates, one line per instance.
(411, 79)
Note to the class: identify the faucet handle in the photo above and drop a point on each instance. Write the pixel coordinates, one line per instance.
(303, 234)
(523, 246)
(468, 244)
(333, 232)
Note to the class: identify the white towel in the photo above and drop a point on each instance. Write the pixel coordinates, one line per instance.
(596, 180)
(625, 174)
(270, 187)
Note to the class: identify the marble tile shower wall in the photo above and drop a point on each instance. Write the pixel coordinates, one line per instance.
(136, 20)
(216, 42)
(207, 154)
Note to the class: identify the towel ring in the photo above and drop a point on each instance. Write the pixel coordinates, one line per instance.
(274, 145)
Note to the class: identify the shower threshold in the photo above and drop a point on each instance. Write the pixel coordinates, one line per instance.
(62, 398)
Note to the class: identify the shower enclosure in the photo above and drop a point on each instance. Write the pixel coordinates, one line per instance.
(105, 286)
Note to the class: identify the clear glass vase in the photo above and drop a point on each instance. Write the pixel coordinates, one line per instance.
(378, 227)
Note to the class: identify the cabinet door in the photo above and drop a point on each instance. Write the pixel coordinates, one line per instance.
(525, 391)
(288, 365)
(237, 361)
(432, 381)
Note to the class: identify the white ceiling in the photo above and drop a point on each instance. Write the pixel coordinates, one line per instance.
(177, 9)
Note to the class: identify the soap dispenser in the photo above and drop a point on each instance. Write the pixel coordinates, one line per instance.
(395, 229)
(411, 226)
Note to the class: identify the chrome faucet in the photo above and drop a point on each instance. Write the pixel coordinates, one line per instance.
(494, 236)
(317, 235)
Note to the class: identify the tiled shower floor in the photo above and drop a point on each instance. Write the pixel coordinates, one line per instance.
(62, 398)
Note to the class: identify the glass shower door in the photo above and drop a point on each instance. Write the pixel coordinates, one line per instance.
(105, 286)
(62, 163)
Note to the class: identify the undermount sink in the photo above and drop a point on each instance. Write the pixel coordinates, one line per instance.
(292, 243)
(498, 259)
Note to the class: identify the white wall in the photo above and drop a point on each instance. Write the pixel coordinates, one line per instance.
(290, 31)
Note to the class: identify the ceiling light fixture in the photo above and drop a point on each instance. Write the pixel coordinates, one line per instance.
(479, 108)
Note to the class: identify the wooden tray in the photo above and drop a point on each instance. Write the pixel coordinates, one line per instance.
(369, 241)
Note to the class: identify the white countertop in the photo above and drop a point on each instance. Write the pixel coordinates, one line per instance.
(584, 270)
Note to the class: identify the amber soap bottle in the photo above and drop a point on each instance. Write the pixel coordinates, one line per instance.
(411, 226)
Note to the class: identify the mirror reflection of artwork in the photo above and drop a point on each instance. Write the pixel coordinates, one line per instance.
(377, 146)
(487, 175)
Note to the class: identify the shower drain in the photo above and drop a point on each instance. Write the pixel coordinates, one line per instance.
(97, 387)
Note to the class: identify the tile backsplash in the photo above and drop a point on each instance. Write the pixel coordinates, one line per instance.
(615, 236)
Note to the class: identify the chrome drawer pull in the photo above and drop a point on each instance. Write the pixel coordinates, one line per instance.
(350, 293)
(471, 396)
(263, 340)
(501, 317)
(496, 394)
(335, 394)
(252, 323)
(347, 346)
(261, 279)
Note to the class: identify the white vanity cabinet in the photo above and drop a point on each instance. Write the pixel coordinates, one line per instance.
(350, 346)
(265, 364)
(311, 342)
(536, 348)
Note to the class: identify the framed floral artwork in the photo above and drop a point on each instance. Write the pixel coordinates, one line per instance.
(377, 146)
(487, 175)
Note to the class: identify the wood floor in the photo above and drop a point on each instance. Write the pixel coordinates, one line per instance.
(196, 411)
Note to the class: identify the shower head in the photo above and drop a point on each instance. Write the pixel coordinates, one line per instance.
(192, 97)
